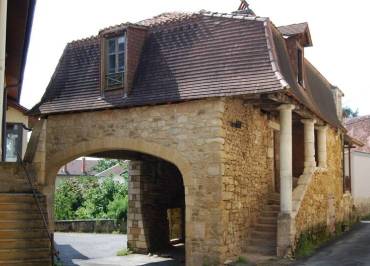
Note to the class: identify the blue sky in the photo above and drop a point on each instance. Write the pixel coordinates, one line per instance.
(338, 29)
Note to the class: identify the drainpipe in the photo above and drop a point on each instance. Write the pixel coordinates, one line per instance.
(3, 16)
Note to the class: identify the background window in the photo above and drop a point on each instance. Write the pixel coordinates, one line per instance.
(115, 65)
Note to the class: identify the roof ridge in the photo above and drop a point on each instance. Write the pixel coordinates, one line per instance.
(82, 40)
(293, 24)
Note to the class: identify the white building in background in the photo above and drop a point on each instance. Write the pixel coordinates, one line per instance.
(357, 162)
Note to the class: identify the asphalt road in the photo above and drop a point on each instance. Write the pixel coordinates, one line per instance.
(75, 247)
(350, 249)
(101, 249)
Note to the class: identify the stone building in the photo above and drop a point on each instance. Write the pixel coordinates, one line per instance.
(220, 115)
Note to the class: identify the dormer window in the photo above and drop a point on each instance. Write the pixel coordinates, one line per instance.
(300, 66)
(115, 61)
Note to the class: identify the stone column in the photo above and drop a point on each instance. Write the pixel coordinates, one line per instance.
(286, 175)
(309, 144)
(136, 240)
(321, 146)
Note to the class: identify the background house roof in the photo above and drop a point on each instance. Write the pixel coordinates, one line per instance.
(74, 168)
(186, 57)
(359, 128)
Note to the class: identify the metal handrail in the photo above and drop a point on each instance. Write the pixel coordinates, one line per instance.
(35, 194)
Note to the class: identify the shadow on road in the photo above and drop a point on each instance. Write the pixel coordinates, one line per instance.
(67, 254)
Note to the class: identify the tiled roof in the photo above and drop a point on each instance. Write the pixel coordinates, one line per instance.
(203, 55)
(186, 57)
(359, 128)
(74, 168)
(293, 29)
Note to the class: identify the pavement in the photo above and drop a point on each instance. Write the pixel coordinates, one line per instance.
(350, 249)
(101, 249)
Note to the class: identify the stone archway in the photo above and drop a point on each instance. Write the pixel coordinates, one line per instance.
(189, 136)
(140, 232)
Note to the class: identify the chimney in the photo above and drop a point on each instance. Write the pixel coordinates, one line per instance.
(337, 95)
(83, 166)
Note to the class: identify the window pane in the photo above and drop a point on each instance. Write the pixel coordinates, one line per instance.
(121, 43)
(112, 63)
(111, 46)
(121, 62)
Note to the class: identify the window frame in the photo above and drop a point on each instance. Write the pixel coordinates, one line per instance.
(300, 59)
(105, 60)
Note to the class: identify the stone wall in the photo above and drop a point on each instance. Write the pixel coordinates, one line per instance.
(189, 135)
(322, 205)
(90, 226)
(248, 171)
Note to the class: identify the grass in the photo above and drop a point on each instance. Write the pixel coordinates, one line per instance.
(242, 261)
(124, 252)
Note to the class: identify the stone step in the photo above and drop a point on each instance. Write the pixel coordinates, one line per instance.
(22, 254)
(263, 250)
(15, 215)
(262, 242)
(28, 262)
(268, 213)
(19, 197)
(266, 227)
(20, 206)
(274, 196)
(24, 233)
(267, 220)
(272, 207)
(273, 201)
(24, 243)
(263, 234)
(15, 188)
(19, 224)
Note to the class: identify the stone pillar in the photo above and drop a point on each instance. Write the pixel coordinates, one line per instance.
(321, 145)
(309, 144)
(286, 176)
(135, 230)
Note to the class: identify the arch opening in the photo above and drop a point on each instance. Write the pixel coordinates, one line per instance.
(156, 202)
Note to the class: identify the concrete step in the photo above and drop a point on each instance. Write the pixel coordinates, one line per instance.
(22, 254)
(24, 243)
(28, 262)
(23, 233)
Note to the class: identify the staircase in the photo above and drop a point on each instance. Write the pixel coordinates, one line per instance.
(262, 240)
(23, 237)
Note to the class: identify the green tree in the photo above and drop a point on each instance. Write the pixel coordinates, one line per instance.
(349, 113)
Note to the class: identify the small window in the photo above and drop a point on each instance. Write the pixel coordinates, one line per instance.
(300, 66)
(14, 139)
(115, 62)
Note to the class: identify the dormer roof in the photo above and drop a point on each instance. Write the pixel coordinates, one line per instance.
(299, 30)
